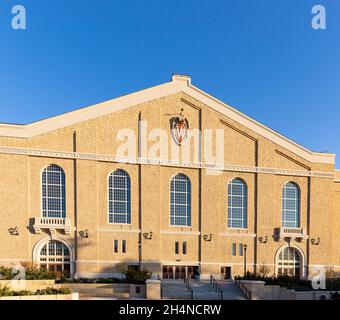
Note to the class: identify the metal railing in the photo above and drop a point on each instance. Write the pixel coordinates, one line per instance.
(161, 280)
(244, 289)
(217, 287)
(189, 288)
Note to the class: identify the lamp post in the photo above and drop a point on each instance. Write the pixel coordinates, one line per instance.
(245, 259)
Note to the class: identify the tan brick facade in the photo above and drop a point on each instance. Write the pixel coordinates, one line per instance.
(83, 144)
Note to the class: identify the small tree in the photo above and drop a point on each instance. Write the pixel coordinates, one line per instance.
(135, 276)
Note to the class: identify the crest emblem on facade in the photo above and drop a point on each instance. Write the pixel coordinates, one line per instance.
(179, 129)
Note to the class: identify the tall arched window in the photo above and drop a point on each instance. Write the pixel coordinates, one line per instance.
(53, 192)
(290, 205)
(119, 197)
(237, 204)
(180, 201)
(289, 262)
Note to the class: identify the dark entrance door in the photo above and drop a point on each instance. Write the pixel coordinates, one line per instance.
(179, 272)
(57, 269)
(226, 273)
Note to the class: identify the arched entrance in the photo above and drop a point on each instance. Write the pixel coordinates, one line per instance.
(55, 255)
(289, 262)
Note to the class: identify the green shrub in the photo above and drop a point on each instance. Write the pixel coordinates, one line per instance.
(39, 274)
(5, 292)
(333, 284)
(91, 280)
(135, 276)
(290, 282)
(7, 273)
(31, 273)
(52, 291)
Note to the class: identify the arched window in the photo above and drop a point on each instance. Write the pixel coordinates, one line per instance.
(289, 262)
(119, 197)
(53, 192)
(55, 256)
(290, 205)
(237, 204)
(180, 201)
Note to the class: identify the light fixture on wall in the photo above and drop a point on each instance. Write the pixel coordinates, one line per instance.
(147, 235)
(314, 241)
(84, 233)
(207, 237)
(13, 231)
(263, 239)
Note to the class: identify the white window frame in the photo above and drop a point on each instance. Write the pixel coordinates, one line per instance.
(187, 204)
(243, 207)
(62, 190)
(127, 190)
(296, 210)
(282, 264)
(54, 259)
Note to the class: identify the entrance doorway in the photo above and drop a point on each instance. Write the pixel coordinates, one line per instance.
(179, 272)
(289, 262)
(226, 273)
(55, 256)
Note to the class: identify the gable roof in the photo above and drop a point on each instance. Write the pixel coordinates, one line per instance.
(178, 83)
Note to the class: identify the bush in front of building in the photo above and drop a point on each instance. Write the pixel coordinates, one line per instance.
(39, 274)
(7, 273)
(290, 282)
(34, 272)
(5, 292)
(282, 280)
(333, 283)
(91, 280)
(31, 273)
(135, 276)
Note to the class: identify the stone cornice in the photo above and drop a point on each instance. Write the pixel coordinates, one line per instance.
(167, 163)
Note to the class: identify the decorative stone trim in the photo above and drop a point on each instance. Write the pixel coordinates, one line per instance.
(118, 230)
(167, 163)
(190, 233)
(228, 234)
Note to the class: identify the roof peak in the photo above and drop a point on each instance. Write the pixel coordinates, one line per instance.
(181, 77)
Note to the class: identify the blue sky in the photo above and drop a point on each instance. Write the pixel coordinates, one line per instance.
(260, 56)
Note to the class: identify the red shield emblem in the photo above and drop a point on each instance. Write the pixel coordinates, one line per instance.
(179, 130)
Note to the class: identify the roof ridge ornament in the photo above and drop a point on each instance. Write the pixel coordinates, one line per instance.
(181, 77)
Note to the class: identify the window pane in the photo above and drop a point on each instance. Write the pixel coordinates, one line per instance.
(290, 206)
(53, 192)
(289, 262)
(237, 204)
(180, 201)
(119, 197)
